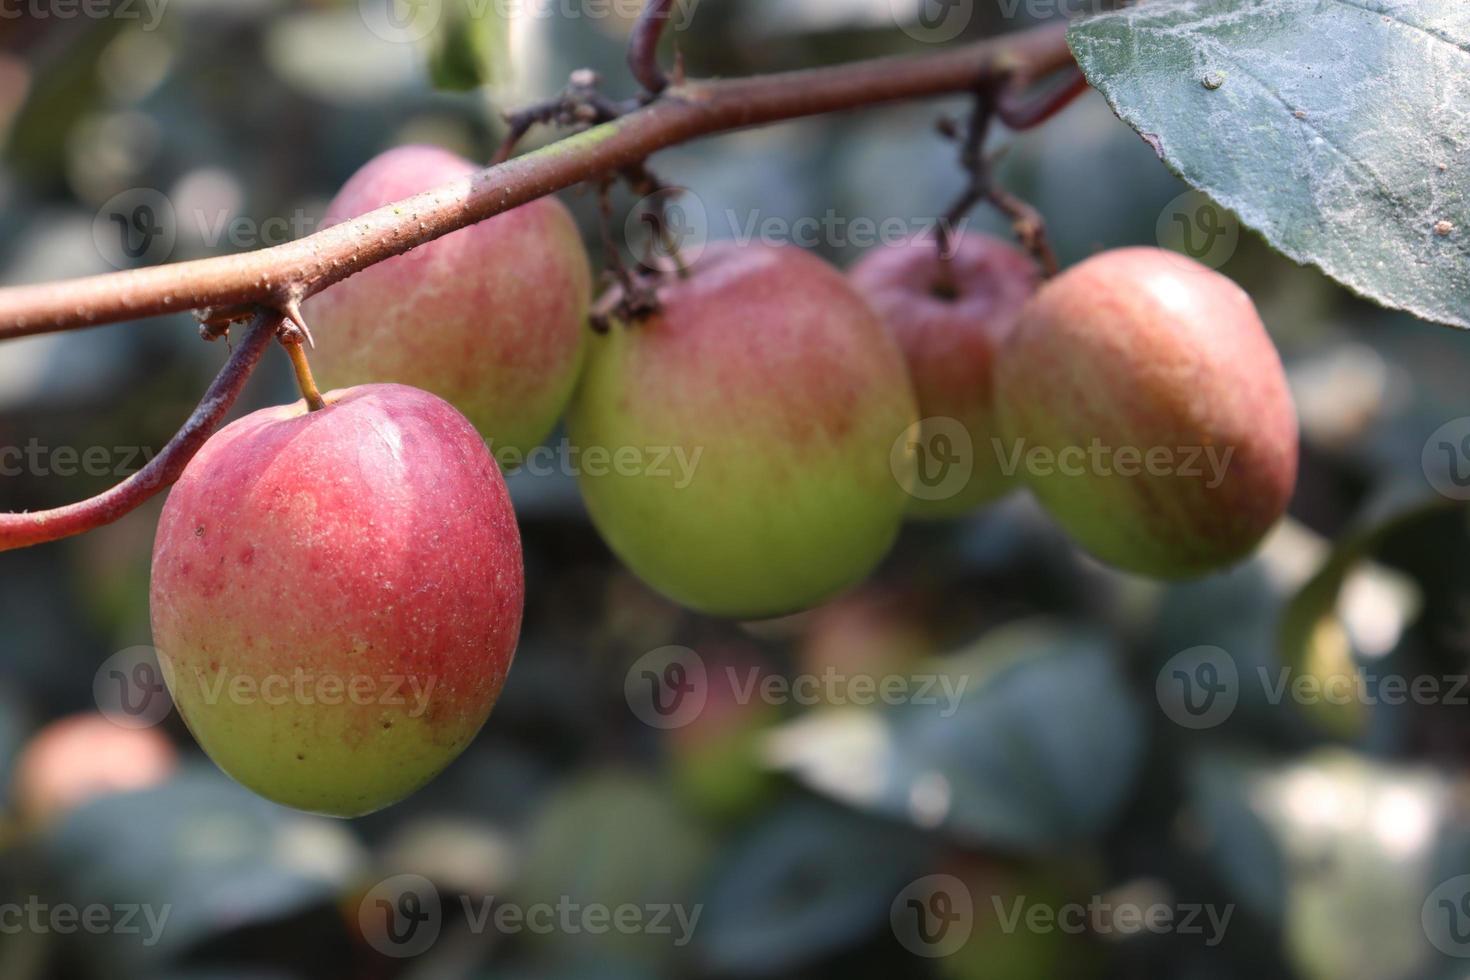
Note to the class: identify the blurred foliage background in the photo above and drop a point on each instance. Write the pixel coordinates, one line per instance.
(1072, 774)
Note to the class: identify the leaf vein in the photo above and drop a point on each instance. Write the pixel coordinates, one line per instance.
(1384, 187)
(1441, 36)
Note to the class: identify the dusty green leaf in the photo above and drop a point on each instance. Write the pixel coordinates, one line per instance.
(1338, 129)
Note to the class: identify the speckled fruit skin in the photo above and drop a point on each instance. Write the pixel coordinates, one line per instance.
(492, 318)
(1145, 348)
(951, 341)
(369, 548)
(774, 371)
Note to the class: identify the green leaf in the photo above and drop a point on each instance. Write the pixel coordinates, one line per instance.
(1335, 128)
(1312, 643)
(806, 881)
(200, 854)
(471, 47)
(613, 838)
(1031, 741)
(1365, 843)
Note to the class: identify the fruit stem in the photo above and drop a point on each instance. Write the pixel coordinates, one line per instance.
(304, 380)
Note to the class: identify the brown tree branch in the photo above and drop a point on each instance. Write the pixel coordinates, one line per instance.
(275, 277)
(22, 530)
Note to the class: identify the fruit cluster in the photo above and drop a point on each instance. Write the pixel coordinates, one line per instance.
(363, 561)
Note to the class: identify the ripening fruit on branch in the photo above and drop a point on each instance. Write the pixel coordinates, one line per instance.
(747, 431)
(951, 327)
(1148, 410)
(491, 318)
(337, 595)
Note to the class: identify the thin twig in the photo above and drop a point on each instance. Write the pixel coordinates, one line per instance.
(1020, 108)
(628, 297)
(22, 530)
(579, 106)
(1027, 222)
(643, 47)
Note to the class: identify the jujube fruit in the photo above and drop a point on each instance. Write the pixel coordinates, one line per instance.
(82, 757)
(755, 414)
(336, 596)
(950, 326)
(1155, 374)
(491, 318)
